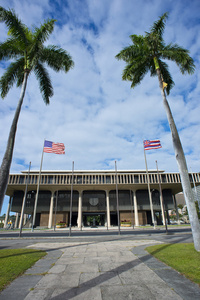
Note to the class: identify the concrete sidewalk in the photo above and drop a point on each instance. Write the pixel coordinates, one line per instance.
(100, 270)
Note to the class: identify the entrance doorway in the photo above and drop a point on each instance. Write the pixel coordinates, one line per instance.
(149, 218)
(74, 218)
(113, 219)
(93, 219)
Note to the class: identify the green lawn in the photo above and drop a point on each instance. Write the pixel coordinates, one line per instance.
(14, 262)
(181, 257)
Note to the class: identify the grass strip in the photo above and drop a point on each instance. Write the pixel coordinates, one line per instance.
(14, 262)
(181, 257)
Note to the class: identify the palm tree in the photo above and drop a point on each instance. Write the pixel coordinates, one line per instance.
(28, 53)
(146, 54)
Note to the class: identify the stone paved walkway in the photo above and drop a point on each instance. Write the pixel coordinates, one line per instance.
(100, 270)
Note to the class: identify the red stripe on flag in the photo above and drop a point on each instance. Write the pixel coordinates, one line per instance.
(51, 147)
(153, 144)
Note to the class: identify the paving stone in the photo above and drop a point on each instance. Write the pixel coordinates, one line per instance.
(86, 254)
(130, 292)
(39, 294)
(57, 269)
(161, 291)
(100, 278)
(70, 260)
(130, 277)
(105, 266)
(88, 260)
(82, 268)
(135, 265)
(47, 281)
(67, 254)
(77, 294)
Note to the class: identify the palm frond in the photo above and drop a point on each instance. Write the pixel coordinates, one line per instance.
(10, 49)
(129, 53)
(20, 74)
(10, 76)
(15, 26)
(146, 48)
(137, 60)
(38, 37)
(134, 51)
(138, 40)
(135, 72)
(28, 47)
(159, 26)
(180, 56)
(152, 68)
(45, 85)
(42, 33)
(166, 75)
(56, 58)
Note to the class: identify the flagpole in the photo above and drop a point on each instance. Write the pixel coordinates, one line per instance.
(24, 201)
(161, 199)
(70, 215)
(117, 197)
(55, 210)
(38, 184)
(150, 197)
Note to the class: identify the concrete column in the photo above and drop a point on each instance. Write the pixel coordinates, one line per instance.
(17, 220)
(7, 213)
(51, 211)
(135, 209)
(108, 208)
(79, 221)
(25, 219)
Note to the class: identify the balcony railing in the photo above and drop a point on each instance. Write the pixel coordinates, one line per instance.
(99, 179)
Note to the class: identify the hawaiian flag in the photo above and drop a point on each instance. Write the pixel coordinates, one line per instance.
(155, 144)
(51, 147)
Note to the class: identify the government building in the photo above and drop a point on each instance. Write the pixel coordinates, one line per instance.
(99, 198)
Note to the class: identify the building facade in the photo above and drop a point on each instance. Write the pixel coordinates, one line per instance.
(98, 197)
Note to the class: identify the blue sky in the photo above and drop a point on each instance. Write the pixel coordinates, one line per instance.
(96, 115)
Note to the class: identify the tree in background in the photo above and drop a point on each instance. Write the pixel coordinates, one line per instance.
(146, 54)
(28, 53)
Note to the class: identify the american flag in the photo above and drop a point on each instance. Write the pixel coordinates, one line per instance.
(155, 144)
(51, 147)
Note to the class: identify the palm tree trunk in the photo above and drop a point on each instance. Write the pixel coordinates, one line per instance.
(181, 161)
(7, 159)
